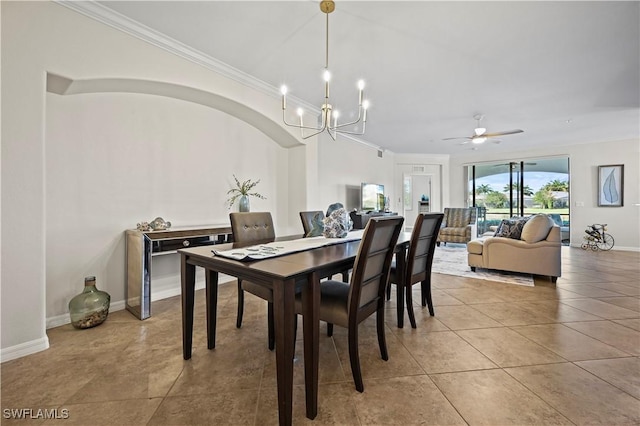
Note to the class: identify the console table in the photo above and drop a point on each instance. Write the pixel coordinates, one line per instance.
(142, 246)
(360, 219)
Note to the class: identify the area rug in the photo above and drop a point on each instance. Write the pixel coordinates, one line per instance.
(451, 259)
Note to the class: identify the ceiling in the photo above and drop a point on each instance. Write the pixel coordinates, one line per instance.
(564, 72)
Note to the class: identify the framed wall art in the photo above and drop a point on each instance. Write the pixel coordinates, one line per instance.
(611, 185)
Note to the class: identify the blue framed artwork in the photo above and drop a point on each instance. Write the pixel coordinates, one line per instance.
(611, 185)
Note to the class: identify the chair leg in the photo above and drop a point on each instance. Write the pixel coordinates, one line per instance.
(271, 326)
(345, 276)
(295, 334)
(240, 304)
(409, 297)
(389, 291)
(380, 328)
(400, 305)
(329, 329)
(426, 294)
(354, 357)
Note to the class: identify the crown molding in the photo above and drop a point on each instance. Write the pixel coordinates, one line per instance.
(103, 14)
(116, 20)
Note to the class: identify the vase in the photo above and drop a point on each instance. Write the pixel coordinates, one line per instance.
(91, 307)
(243, 204)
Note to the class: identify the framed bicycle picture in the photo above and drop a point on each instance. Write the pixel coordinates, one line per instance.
(611, 185)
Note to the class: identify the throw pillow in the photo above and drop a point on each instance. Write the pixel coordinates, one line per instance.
(511, 228)
(317, 226)
(337, 224)
(537, 228)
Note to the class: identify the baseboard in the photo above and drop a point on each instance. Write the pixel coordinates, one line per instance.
(24, 349)
(615, 248)
(119, 305)
(64, 319)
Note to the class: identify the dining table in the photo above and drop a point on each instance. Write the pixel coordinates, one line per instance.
(283, 274)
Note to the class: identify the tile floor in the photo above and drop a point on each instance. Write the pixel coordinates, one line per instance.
(512, 355)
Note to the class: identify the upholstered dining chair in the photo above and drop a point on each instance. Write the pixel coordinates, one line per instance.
(247, 228)
(348, 304)
(417, 265)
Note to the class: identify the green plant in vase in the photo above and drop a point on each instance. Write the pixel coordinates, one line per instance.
(242, 192)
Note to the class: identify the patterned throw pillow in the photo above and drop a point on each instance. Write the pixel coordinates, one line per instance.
(511, 228)
(337, 224)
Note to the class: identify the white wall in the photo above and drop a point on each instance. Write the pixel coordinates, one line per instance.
(113, 160)
(584, 159)
(343, 165)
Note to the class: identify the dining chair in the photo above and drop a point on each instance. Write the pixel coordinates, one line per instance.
(348, 304)
(307, 225)
(247, 228)
(417, 266)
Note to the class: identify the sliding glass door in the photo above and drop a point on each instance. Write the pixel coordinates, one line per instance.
(520, 188)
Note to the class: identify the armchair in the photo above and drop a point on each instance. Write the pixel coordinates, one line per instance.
(458, 225)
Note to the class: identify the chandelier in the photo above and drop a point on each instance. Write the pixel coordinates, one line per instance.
(329, 116)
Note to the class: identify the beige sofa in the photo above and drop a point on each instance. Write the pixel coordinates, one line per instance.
(537, 251)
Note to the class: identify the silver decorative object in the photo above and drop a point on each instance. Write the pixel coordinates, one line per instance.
(159, 224)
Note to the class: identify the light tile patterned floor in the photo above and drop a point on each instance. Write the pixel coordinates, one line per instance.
(510, 355)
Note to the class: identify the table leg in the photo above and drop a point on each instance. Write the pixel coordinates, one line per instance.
(283, 308)
(188, 286)
(401, 260)
(211, 290)
(311, 325)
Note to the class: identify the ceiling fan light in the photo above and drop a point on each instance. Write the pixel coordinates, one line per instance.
(480, 131)
(478, 140)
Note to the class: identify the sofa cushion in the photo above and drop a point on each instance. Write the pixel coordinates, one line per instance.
(537, 228)
(458, 218)
(475, 246)
(457, 232)
(511, 228)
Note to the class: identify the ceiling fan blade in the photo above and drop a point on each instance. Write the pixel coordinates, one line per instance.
(508, 132)
(460, 137)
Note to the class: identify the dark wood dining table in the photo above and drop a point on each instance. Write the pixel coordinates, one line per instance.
(282, 274)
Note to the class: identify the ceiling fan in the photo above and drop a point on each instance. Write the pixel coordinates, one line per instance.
(480, 134)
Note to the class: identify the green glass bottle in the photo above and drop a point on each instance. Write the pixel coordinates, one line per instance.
(91, 307)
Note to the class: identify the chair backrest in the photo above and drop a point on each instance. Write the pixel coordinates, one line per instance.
(459, 217)
(372, 265)
(252, 226)
(422, 247)
(307, 218)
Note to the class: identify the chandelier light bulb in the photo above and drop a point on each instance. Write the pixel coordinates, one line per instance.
(326, 75)
(283, 90)
(300, 112)
(360, 84)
